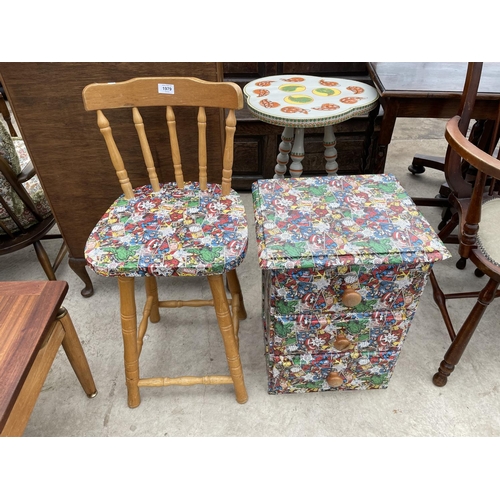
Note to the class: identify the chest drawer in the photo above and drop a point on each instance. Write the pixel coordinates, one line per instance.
(330, 372)
(382, 331)
(380, 287)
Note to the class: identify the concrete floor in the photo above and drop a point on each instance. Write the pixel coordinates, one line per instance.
(189, 343)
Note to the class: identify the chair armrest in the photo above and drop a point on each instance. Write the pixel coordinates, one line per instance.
(27, 173)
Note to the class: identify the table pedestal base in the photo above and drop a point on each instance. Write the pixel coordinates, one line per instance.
(292, 146)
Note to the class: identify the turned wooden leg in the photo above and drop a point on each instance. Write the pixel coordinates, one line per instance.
(79, 267)
(284, 153)
(44, 260)
(226, 328)
(457, 348)
(76, 356)
(235, 289)
(440, 300)
(297, 154)
(129, 332)
(152, 291)
(329, 142)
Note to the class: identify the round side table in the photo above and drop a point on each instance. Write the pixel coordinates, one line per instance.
(297, 102)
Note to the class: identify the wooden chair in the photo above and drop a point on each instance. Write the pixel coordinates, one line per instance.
(19, 236)
(458, 174)
(33, 326)
(25, 215)
(174, 229)
(480, 135)
(4, 111)
(477, 211)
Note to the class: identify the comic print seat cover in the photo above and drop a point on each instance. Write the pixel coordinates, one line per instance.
(174, 232)
(325, 222)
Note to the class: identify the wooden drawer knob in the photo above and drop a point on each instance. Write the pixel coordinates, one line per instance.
(351, 298)
(341, 343)
(334, 380)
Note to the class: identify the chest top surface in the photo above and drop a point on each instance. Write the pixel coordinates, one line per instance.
(308, 101)
(325, 222)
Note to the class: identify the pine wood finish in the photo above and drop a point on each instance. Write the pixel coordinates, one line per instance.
(467, 200)
(33, 326)
(189, 92)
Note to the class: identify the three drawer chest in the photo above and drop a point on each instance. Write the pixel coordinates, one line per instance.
(344, 262)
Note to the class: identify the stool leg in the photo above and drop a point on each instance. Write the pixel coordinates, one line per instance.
(152, 290)
(283, 156)
(235, 289)
(226, 328)
(129, 332)
(76, 356)
(329, 142)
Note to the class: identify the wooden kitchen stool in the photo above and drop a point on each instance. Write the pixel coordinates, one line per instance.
(186, 228)
(33, 326)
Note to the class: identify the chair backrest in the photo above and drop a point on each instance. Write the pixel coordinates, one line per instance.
(22, 201)
(20, 215)
(166, 92)
(462, 149)
(455, 167)
(4, 111)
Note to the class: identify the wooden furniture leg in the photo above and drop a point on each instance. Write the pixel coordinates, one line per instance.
(297, 154)
(457, 348)
(284, 154)
(44, 260)
(129, 332)
(235, 289)
(74, 351)
(152, 291)
(79, 267)
(329, 142)
(62, 332)
(369, 141)
(227, 331)
(385, 135)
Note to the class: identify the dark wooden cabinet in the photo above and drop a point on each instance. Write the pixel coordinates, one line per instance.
(256, 142)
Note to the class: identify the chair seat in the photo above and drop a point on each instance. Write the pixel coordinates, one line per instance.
(488, 236)
(173, 232)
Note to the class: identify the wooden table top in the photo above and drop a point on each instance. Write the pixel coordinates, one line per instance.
(431, 79)
(27, 311)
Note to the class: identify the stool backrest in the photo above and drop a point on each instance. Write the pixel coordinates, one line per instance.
(167, 92)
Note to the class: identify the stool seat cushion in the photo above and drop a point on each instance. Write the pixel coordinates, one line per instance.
(173, 232)
(488, 235)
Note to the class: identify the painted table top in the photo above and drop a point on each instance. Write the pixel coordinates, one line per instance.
(325, 222)
(302, 101)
